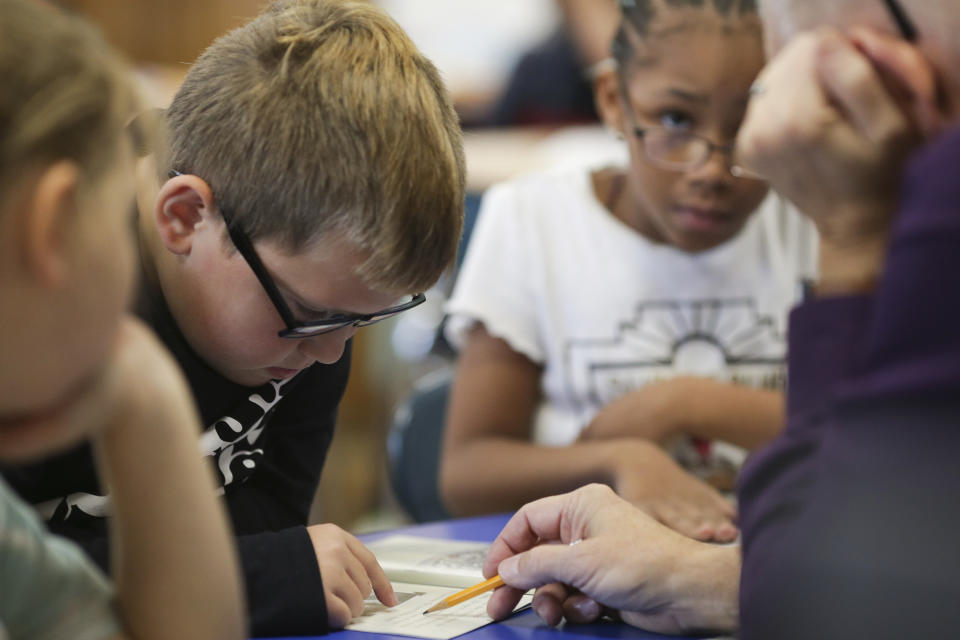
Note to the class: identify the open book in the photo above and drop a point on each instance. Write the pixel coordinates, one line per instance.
(423, 571)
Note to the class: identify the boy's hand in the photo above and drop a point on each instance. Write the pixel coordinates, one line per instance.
(137, 371)
(349, 572)
(624, 560)
(648, 477)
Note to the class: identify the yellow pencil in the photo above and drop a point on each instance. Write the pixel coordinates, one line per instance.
(466, 594)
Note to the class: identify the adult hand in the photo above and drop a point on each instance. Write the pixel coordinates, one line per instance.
(620, 559)
(837, 117)
(646, 476)
(349, 571)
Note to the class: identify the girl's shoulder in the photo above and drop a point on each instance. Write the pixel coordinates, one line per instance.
(543, 196)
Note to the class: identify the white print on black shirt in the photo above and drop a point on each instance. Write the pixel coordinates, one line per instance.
(231, 441)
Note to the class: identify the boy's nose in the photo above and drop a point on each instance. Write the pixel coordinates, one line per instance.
(327, 348)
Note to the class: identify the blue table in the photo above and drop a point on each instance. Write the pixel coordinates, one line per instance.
(523, 626)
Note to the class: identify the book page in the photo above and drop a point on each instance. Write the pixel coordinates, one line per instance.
(446, 563)
(408, 619)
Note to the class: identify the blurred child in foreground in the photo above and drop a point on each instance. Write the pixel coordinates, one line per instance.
(74, 367)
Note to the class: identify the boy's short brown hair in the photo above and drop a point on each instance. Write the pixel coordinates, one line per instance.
(66, 94)
(320, 118)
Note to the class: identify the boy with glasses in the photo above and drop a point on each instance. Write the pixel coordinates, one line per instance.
(312, 184)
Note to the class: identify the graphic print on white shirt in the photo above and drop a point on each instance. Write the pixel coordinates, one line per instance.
(723, 339)
(603, 310)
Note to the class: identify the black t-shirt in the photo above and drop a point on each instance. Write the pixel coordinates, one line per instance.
(267, 445)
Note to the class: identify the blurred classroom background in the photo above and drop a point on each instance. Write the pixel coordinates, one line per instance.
(518, 73)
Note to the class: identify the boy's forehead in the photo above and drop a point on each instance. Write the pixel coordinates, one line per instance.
(327, 253)
(324, 274)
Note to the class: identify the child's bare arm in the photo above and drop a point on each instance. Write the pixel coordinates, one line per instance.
(173, 557)
(694, 406)
(489, 463)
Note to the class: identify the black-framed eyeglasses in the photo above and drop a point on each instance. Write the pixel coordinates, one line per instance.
(295, 328)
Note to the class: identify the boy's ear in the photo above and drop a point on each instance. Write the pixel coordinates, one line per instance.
(48, 210)
(183, 202)
(606, 96)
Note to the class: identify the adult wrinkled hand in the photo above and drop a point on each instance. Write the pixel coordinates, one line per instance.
(621, 559)
(838, 115)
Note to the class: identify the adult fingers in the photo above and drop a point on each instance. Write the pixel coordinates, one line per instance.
(560, 518)
(548, 602)
(535, 521)
(788, 87)
(853, 86)
(503, 601)
(539, 566)
(907, 73)
(581, 609)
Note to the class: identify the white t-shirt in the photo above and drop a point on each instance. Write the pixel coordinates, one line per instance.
(605, 311)
(49, 589)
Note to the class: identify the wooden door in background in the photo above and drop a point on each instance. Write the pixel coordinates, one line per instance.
(165, 31)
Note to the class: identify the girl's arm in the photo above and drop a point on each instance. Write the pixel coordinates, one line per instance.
(489, 463)
(694, 406)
